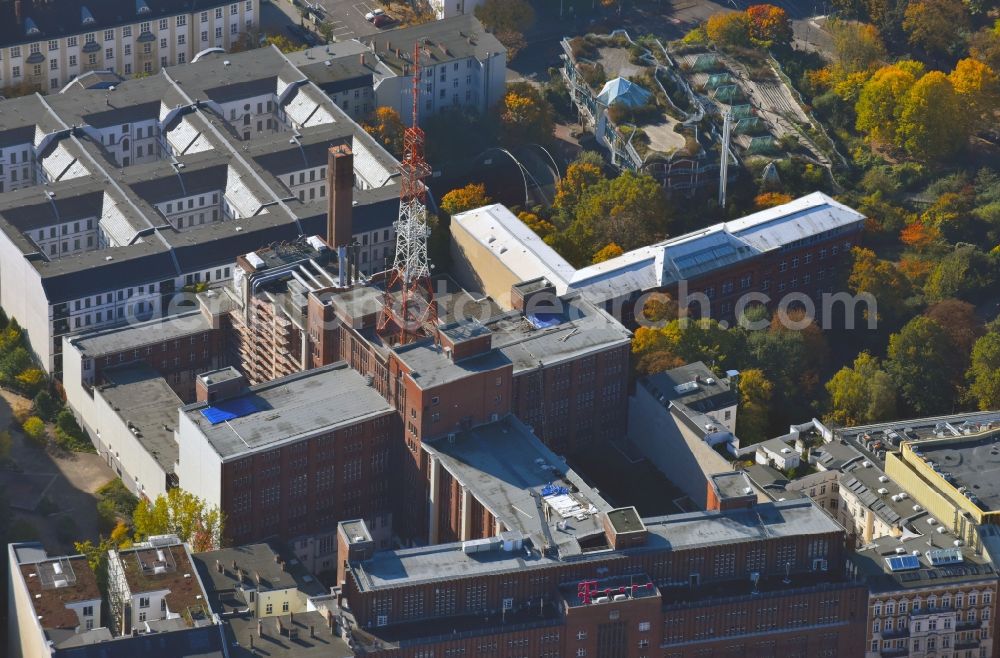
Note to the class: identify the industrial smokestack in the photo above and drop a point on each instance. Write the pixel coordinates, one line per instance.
(340, 196)
(356, 260)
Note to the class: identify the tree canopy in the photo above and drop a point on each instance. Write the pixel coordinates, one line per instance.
(984, 371)
(629, 210)
(755, 393)
(465, 198)
(921, 363)
(385, 125)
(525, 115)
(180, 513)
(861, 393)
(938, 26)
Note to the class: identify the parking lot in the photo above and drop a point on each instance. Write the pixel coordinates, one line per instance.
(346, 17)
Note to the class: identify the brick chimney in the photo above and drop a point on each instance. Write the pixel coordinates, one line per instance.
(340, 200)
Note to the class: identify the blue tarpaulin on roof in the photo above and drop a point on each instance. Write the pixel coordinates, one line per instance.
(229, 409)
(553, 490)
(544, 320)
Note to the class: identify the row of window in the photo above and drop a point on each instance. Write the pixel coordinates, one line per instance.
(808, 258)
(109, 34)
(932, 603)
(140, 308)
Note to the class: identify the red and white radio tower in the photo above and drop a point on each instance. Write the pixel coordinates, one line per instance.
(409, 309)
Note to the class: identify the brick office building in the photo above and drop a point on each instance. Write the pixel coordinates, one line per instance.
(755, 579)
(291, 457)
(563, 372)
(796, 247)
(178, 348)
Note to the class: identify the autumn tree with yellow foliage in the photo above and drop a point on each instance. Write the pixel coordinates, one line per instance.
(525, 115)
(385, 125)
(465, 198)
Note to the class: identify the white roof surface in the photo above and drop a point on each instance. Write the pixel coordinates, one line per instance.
(525, 254)
(515, 245)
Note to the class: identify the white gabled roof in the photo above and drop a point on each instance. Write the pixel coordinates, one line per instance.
(661, 264)
(793, 221)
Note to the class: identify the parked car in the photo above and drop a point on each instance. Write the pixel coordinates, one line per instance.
(383, 20)
(373, 14)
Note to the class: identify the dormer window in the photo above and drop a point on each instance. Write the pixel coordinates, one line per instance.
(141, 8)
(86, 18)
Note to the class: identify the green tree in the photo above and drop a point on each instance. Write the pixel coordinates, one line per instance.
(14, 363)
(880, 104)
(932, 124)
(984, 371)
(629, 210)
(938, 26)
(465, 198)
(862, 393)
(965, 273)
(11, 337)
(985, 45)
(921, 363)
(69, 434)
(44, 406)
(183, 514)
(284, 44)
(755, 397)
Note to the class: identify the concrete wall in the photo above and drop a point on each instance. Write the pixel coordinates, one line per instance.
(21, 297)
(682, 457)
(140, 471)
(476, 268)
(199, 468)
(77, 395)
(25, 638)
